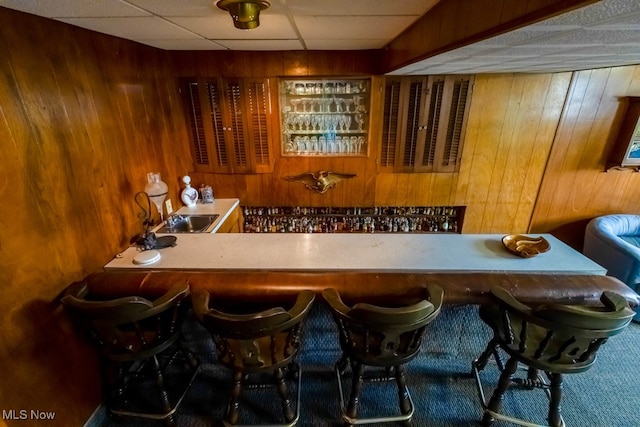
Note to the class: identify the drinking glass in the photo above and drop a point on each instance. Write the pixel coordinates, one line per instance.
(295, 102)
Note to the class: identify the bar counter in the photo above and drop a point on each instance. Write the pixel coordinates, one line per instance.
(375, 252)
(361, 266)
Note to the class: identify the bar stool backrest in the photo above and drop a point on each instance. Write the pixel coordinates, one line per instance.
(256, 341)
(554, 337)
(129, 328)
(382, 336)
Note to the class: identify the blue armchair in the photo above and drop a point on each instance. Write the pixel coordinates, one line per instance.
(613, 241)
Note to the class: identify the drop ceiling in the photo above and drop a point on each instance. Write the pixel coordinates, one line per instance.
(604, 34)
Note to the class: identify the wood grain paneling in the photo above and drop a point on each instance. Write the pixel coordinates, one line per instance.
(510, 130)
(511, 125)
(576, 187)
(83, 118)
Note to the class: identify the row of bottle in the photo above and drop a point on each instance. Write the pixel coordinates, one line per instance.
(349, 224)
(449, 211)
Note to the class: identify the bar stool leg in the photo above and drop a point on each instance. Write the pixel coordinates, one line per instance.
(403, 392)
(555, 419)
(234, 401)
(283, 391)
(496, 398)
(356, 388)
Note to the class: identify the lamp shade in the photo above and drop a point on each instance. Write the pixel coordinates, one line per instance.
(245, 13)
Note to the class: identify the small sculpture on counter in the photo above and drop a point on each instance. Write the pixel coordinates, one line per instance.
(320, 182)
(206, 193)
(189, 194)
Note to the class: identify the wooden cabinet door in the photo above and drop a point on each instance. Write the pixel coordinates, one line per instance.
(230, 122)
(423, 123)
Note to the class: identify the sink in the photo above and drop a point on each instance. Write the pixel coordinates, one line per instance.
(189, 224)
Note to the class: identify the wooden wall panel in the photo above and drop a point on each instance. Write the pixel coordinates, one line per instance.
(83, 118)
(511, 126)
(576, 187)
(512, 121)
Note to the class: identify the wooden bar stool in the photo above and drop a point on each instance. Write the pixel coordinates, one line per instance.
(256, 343)
(138, 342)
(379, 337)
(549, 341)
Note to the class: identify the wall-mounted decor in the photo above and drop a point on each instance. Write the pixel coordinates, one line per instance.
(626, 152)
(321, 181)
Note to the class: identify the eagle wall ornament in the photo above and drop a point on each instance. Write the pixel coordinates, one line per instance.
(321, 181)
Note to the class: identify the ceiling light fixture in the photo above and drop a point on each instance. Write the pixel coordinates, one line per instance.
(245, 13)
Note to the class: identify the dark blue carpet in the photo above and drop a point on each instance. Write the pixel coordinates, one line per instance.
(442, 388)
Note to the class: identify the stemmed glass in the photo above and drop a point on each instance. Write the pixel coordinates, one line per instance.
(359, 144)
(327, 104)
(295, 103)
(347, 122)
(360, 121)
(338, 102)
(347, 103)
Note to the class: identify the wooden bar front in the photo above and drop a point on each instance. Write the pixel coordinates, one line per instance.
(460, 288)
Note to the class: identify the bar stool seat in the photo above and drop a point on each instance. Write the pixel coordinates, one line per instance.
(548, 341)
(379, 337)
(254, 343)
(138, 341)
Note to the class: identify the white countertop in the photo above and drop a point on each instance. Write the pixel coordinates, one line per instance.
(222, 207)
(375, 252)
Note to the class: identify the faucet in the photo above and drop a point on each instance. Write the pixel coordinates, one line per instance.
(173, 219)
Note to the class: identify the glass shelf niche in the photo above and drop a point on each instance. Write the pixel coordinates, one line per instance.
(407, 219)
(325, 117)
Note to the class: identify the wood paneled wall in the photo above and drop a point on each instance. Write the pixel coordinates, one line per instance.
(509, 133)
(576, 186)
(511, 126)
(83, 118)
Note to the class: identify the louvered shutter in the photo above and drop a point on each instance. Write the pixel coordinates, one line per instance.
(432, 125)
(428, 124)
(196, 125)
(390, 123)
(259, 106)
(456, 123)
(217, 128)
(414, 89)
(236, 130)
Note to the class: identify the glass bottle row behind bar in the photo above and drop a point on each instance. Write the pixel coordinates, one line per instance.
(424, 219)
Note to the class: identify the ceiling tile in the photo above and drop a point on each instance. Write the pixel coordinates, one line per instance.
(220, 26)
(74, 8)
(196, 44)
(416, 8)
(178, 8)
(345, 28)
(143, 28)
(337, 44)
(261, 44)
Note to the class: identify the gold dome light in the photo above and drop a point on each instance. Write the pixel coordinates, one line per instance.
(245, 13)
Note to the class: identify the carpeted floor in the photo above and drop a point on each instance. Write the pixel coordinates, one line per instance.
(442, 388)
